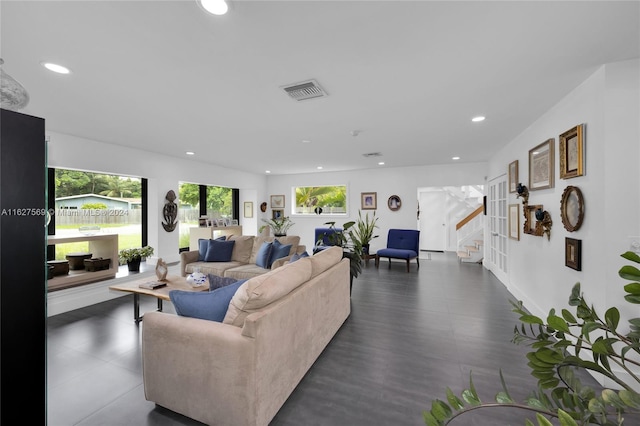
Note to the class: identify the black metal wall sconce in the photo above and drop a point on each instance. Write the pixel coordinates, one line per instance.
(543, 220)
(523, 192)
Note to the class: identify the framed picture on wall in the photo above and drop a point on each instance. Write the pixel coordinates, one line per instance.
(573, 253)
(277, 201)
(572, 152)
(513, 176)
(277, 214)
(368, 200)
(514, 221)
(394, 203)
(248, 209)
(541, 164)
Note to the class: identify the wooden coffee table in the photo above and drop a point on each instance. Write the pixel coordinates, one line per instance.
(173, 283)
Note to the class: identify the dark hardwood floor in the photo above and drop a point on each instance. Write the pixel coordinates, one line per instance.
(409, 337)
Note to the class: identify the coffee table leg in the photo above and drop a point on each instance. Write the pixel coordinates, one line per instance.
(136, 308)
(159, 305)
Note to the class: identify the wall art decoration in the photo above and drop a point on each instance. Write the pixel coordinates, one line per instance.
(541, 164)
(572, 208)
(514, 221)
(573, 253)
(277, 214)
(277, 201)
(248, 209)
(369, 200)
(170, 212)
(572, 152)
(513, 176)
(531, 225)
(394, 203)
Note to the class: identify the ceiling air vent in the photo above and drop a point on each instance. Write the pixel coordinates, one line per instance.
(305, 90)
(372, 154)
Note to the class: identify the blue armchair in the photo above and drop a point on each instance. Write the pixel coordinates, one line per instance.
(401, 244)
(322, 240)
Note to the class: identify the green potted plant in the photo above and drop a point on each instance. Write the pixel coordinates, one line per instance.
(279, 226)
(133, 256)
(561, 344)
(345, 238)
(363, 232)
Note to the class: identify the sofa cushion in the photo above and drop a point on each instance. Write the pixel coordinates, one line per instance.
(211, 305)
(242, 248)
(215, 268)
(216, 281)
(325, 259)
(262, 290)
(264, 255)
(278, 250)
(219, 251)
(203, 245)
(298, 256)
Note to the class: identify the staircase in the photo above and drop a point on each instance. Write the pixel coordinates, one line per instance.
(472, 253)
(470, 231)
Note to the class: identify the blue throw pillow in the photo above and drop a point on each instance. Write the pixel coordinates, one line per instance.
(219, 251)
(264, 254)
(278, 250)
(297, 256)
(203, 245)
(210, 305)
(216, 282)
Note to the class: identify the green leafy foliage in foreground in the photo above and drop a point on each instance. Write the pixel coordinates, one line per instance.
(561, 344)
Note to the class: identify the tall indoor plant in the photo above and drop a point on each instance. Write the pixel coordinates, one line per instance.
(363, 232)
(557, 344)
(345, 238)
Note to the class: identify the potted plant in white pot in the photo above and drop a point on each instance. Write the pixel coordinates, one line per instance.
(279, 226)
(133, 256)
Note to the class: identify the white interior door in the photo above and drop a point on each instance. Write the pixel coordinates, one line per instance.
(497, 214)
(433, 221)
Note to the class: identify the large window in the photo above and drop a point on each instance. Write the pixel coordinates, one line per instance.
(331, 199)
(96, 203)
(195, 201)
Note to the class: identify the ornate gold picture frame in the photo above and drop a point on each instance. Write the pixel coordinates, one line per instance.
(514, 221)
(573, 253)
(541, 164)
(572, 152)
(513, 176)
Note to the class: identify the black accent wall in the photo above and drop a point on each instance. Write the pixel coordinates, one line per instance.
(22, 269)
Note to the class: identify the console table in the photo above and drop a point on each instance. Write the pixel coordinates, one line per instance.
(210, 232)
(105, 246)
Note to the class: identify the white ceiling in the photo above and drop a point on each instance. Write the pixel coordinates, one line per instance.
(164, 76)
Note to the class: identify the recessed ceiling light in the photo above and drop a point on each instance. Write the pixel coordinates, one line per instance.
(56, 68)
(267, 171)
(215, 7)
(306, 141)
(319, 167)
(478, 119)
(190, 153)
(381, 163)
(455, 158)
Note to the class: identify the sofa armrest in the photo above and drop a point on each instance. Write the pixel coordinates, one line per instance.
(198, 368)
(187, 257)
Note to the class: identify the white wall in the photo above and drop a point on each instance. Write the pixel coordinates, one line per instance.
(385, 181)
(608, 103)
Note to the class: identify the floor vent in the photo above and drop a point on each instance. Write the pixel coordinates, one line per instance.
(305, 90)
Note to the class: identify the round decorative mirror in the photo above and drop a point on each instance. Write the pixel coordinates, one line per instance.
(572, 208)
(394, 203)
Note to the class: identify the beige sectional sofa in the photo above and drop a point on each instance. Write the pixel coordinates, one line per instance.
(243, 258)
(241, 371)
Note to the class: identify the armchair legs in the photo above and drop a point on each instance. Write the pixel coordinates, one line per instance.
(408, 262)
